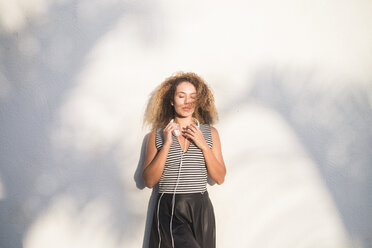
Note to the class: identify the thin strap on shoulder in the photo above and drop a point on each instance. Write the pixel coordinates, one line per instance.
(206, 130)
(159, 138)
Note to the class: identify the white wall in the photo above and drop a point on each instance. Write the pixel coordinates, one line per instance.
(292, 82)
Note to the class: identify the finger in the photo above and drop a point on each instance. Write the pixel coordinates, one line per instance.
(187, 129)
(195, 127)
(192, 129)
(188, 132)
(188, 135)
(170, 128)
(171, 124)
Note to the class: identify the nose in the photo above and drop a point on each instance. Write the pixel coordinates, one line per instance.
(189, 100)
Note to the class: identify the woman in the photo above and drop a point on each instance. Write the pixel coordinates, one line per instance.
(182, 150)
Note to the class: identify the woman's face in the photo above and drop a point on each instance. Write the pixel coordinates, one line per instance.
(185, 99)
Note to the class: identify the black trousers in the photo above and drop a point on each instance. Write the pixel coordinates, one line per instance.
(193, 222)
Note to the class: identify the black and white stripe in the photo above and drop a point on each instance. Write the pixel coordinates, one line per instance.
(193, 175)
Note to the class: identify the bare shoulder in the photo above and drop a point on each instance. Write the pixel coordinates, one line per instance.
(215, 135)
(151, 150)
(214, 131)
(152, 133)
(216, 148)
(151, 137)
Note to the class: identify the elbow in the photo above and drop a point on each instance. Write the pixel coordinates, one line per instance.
(220, 181)
(149, 185)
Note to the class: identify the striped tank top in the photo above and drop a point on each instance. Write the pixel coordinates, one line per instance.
(193, 175)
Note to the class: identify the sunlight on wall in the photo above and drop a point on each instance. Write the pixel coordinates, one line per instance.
(278, 187)
(65, 225)
(15, 14)
(237, 38)
(273, 195)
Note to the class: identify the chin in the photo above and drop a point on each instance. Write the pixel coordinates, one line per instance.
(184, 115)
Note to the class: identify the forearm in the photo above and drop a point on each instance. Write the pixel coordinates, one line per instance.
(152, 173)
(216, 170)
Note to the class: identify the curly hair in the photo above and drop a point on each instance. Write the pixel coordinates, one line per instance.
(159, 110)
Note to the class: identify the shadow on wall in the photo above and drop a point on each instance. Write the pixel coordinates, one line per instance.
(40, 63)
(141, 185)
(333, 120)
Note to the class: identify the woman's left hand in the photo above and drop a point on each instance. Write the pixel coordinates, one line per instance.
(193, 132)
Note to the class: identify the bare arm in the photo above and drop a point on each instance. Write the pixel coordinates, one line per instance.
(155, 160)
(214, 160)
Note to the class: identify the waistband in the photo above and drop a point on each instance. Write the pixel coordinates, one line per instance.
(186, 195)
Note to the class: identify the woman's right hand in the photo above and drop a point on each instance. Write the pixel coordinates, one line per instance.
(168, 130)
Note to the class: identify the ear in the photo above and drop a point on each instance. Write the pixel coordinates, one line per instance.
(171, 102)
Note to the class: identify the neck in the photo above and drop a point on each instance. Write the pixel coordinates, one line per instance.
(183, 122)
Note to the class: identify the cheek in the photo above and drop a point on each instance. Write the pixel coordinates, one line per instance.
(178, 101)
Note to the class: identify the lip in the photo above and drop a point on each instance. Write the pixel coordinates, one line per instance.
(186, 109)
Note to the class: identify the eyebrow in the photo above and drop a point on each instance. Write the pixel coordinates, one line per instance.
(185, 93)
